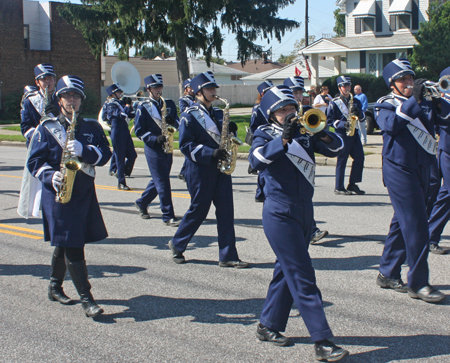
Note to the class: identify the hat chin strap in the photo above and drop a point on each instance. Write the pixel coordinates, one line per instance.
(201, 91)
(401, 93)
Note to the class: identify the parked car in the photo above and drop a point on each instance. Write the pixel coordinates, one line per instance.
(371, 124)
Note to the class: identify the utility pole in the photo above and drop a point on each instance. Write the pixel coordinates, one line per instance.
(306, 23)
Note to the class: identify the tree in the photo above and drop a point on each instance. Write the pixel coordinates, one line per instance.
(287, 59)
(339, 25)
(157, 49)
(181, 24)
(216, 60)
(432, 53)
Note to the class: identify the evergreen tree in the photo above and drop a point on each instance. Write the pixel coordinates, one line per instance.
(154, 51)
(339, 25)
(181, 24)
(432, 53)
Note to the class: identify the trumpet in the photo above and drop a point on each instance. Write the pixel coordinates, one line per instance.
(313, 121)
(435, 89)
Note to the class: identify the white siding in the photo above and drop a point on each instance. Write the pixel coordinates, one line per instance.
(37, 17)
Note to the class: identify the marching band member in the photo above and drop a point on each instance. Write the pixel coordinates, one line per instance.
(34, 107)
(116, 114)
(409, 147)
(287, 158)
(186, 101)
(297, 86)
(337, 115)
(70, 226)
(440, 212)
(200, 132)
(257, 120)
(28, 91)
(148, 129)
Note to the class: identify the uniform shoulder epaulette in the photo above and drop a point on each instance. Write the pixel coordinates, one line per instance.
(191, 109)
(336, 98)
(47, 119)
(265, 127)
(385, 98)
(390, 99)
(142, 102)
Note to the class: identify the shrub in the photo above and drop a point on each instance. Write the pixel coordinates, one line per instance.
(11, 106)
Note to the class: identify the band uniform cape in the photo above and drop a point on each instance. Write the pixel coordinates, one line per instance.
(79, 221)
(268, 146)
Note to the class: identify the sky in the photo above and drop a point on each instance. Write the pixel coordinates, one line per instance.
(321, 21)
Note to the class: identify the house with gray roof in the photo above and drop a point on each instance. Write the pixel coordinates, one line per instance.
(377, 32)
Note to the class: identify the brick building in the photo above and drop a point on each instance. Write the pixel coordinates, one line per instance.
(32, 33)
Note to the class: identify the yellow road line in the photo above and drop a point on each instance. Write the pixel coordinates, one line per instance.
(11, 176)
(21, 228)
(20, 234)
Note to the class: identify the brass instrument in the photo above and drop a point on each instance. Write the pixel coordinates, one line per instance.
(352, 119)
(435, 89)
(229, 143)
(46, 101)
(313, 121)
(166, 129)
(69, 166)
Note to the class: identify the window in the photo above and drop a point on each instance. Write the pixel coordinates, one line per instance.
(373, 64)
(404, 21)
(26, 36)
(235, 78)
(387, 58)
(368, 24)
(392, 23)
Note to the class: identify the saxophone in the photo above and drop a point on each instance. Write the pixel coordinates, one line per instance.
(69, 166)
(228, 142)
(166, 129)
(352, 119)
(46, 102)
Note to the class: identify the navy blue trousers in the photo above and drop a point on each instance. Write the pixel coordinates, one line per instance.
(288, 229)
(352, 147)
(124, 152)
(159, 164)
(260, 186)
(435, 184)
(440, 213)
(206, 185)
(408, 235)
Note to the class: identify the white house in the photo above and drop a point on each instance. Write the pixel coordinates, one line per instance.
(377, 31)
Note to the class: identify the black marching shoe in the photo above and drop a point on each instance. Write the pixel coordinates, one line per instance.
(173, 222)
(353, 188)
(177, 256)
(113, 173)
(437, 250)
(55, 290)
(143, 212)
(342, 192)
(78, 271)
(122, 186)
(316, 237)
(394, 284)
(327, 351)
(235, 264)
(181, 177)
(427, 293)
(265, 334)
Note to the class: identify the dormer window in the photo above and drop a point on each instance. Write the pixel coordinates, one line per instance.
(400, 13)
(368, 16)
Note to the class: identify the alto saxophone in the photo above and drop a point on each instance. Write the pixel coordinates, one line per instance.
(69, 166)
(228, 142)
(46, 101)
(352, 119)
(166, 129)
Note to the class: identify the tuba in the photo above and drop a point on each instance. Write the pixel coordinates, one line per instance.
(313, 121)
(352, 119)
(69, 166)
(166, 129)
(229, 143)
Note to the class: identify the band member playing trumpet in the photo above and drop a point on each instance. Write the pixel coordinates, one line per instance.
(287, 158)
(148, 128)
(338, 116)
(70, 226)
(116, 114)
(39, 104)
(200, 132)
(409, 148)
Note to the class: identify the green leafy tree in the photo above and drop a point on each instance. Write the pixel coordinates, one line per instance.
(155, 50)
(180, 24)
(339, 25)
(287, 59)
(432, 53)
(216, 60)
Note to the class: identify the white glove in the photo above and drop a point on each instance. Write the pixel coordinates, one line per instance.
(57, 180)
(75, 147)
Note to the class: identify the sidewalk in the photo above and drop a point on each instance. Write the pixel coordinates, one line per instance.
(372, 160)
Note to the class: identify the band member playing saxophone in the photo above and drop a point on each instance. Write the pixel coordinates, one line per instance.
(287, 157)
(69, 226)
(407, 123)
(200, 134)
(151, 118)
(39, 104)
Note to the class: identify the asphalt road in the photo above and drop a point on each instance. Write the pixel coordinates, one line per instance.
(157, 311)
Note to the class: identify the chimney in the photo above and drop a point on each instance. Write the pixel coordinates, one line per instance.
(264, 58)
